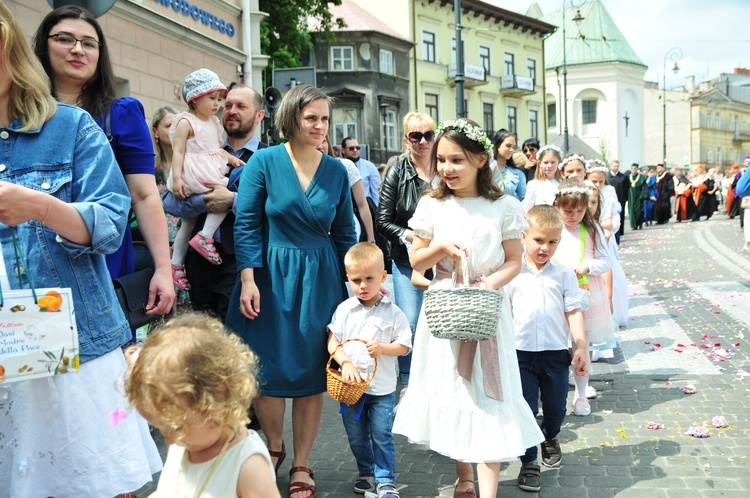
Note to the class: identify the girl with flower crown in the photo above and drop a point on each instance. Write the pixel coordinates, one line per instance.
(583, 248)
(465, 399)
(573, 166)
(541, 190)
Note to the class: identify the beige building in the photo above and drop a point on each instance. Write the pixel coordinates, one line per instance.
(503, 61)
(154, 44)
(677, 127)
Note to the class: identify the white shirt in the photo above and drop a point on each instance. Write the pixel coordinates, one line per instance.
(353, 173)
(540, 192)
(539, 300)
(385, 323)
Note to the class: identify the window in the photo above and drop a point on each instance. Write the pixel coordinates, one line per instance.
(512, 120)
(736, 125)
(453, 51)
(589, 111)
(710, 156)
(431, 106)
(510, 64)
(428, 46)
(533, 123)
(488, 118)
(531, 69)
(718, 121)
(718, 157)
(390, 131)
(386, 61)
(484, 59)
(342, 59)
(344, 123)
(710, 121)
(552, 115)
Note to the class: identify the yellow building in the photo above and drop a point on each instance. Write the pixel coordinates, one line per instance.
(503, 61)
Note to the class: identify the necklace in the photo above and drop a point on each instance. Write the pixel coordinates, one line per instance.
(213, 465)
(634, 179)
(659, 177)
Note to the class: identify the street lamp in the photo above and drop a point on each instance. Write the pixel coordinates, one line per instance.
(384, 111)
(578, 18)
(674, 54)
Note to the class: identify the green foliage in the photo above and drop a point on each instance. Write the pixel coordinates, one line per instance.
(284, 34)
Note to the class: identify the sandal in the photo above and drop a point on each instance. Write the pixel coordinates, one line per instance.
(387, 490)
(467, 493)
(179, 277)
(363, 485)
(300, 486)
(281, 455)
(206, 248)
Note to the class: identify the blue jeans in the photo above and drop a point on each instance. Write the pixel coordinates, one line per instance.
(371, 438)
(545, 374)
(409, 299)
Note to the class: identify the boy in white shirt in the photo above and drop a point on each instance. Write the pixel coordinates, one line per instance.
(546, 305)
(373, 318)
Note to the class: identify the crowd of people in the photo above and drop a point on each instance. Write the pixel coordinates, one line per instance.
(89, 193)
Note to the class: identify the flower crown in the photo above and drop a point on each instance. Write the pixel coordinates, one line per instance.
(596, 166)
(472, 132)
(574, 157)
(548, 147)
(573, 191)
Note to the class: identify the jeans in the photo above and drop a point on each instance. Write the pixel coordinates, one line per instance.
(545, 373)
(409, 299)
(371, 438)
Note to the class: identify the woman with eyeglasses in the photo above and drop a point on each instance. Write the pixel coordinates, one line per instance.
(530, 147)
(403, 185)
(71, 46)
(504, 171)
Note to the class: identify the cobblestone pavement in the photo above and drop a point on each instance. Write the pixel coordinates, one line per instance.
(689, 319)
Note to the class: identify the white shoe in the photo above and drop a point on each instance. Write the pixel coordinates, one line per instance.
(590, 392)
(581, 407)
(400, 397)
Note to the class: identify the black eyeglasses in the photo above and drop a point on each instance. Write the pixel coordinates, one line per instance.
(69, 41)
(416, 136)
(354, 147)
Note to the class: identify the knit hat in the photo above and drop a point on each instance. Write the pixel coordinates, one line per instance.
(202, 82)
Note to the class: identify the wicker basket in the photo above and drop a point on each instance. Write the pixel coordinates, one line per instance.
(342, 390)
(463, 313)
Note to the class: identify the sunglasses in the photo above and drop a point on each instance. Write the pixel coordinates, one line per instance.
(353, 148)
(416, 136)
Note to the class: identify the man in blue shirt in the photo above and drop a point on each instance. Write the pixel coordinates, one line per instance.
(211, 285)
(370, 175)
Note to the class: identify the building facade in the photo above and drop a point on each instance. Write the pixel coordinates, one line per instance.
(503, 56)
(154, 44)
(675, 133)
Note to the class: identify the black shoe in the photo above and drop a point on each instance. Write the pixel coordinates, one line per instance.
(530, 477)
(551, 454)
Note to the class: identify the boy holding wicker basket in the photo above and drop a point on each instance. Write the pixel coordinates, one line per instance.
(372, 319)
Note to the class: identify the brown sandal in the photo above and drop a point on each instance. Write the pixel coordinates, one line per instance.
(299, 486)
(467, 493)
(281, 455)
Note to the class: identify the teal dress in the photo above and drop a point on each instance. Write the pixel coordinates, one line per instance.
(296, 241)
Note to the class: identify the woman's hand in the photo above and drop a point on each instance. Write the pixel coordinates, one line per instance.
(179, 189)
(161, 296)
(20, 204)
(249, 299)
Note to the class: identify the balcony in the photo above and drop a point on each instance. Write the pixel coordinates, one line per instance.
(473, 75)
(741, 136)
(516, 86)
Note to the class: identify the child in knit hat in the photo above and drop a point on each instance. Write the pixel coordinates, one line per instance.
(198, 163)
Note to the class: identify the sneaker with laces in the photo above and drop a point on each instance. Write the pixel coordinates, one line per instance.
(590, 392)
(530, 477)
(581, 407)
(551, 453)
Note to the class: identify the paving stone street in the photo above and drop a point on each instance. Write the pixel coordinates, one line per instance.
(688, 286)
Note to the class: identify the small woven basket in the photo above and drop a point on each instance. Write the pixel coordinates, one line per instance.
(463, 313)
(342, 390)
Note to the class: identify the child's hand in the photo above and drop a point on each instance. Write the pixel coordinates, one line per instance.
(454, 250)
(349, 372)
(374, 349)
(179, 189)
(231, 160)
(581, 269)
(579, 360)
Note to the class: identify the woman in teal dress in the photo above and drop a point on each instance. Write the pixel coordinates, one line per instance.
(294, 224)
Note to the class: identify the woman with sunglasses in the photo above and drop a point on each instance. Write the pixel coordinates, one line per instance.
(505, 173)
(530, 147)
(403, 185)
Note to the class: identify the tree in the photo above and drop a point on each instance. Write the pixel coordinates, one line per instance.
(284, 34)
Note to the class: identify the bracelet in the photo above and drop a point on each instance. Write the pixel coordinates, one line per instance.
(49, 208)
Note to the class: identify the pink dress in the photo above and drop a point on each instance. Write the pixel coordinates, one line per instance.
(597, 318)
(204, 162)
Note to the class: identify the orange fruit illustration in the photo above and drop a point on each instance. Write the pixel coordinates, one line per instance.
(50, 303)
(53, 293)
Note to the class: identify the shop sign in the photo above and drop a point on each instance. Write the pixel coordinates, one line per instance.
(198, 14)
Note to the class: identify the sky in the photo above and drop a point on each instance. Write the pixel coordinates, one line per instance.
(714, 35)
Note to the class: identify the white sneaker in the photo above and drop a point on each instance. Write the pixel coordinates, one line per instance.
(400, 397)
(590, 392)
(581, 407)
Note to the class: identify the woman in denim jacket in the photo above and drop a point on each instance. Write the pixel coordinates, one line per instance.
(62, 194)
(505, 173)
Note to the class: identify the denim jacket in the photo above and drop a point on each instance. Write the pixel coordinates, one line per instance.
(70, 158)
